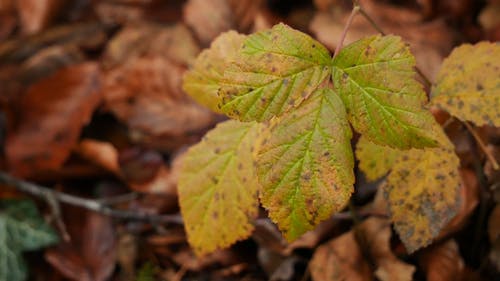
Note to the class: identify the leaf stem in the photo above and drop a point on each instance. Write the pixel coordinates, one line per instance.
(481, 144)
(89, 204)
(354, 11)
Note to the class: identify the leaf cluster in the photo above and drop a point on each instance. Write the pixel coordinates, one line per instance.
(288, 145)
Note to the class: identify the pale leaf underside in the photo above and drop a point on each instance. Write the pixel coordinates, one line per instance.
(305, 164)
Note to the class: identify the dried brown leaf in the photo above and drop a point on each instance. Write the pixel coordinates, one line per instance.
(209, 18)
(52, 113)
(340, 259)
(349, 256)
(91, 254)
(145, 93)
(442, 262)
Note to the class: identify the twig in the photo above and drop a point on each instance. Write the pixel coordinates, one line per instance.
(354, 11)
(118, 199)
(89, 204)
(481, 144)
(56, 213)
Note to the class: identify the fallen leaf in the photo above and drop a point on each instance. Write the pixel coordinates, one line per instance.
(340, 259)
(141, 39)
(35, 15)
(146, 94)
(442, 262)
(210, 18)
(377, 234)
(344, 257)
(91, 253)
(52, 113)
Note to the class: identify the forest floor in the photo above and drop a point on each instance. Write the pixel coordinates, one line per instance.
(92, 106)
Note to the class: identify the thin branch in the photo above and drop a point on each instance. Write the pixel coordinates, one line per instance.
(481, 144)
(354, 11)
(89, 204)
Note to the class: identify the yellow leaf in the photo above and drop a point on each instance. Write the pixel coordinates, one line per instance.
(218, 187)
(305, 164)
(468, 84)
(203, 81)
(375, 160)
(423, 193)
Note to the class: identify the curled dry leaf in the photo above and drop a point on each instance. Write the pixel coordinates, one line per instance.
(91, 254)
(142, 170)
(35, 15)
(52, 113)
(442, 262)
(343, 257)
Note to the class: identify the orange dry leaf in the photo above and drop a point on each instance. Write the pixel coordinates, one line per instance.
(52, 113)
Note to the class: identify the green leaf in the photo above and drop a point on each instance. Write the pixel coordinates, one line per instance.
(305, 164)
(384, 102)
(468, 84)
(203, 81)
(21, 229)
(218, 187)
(274, 71)
(423, 194)
(375, 160)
